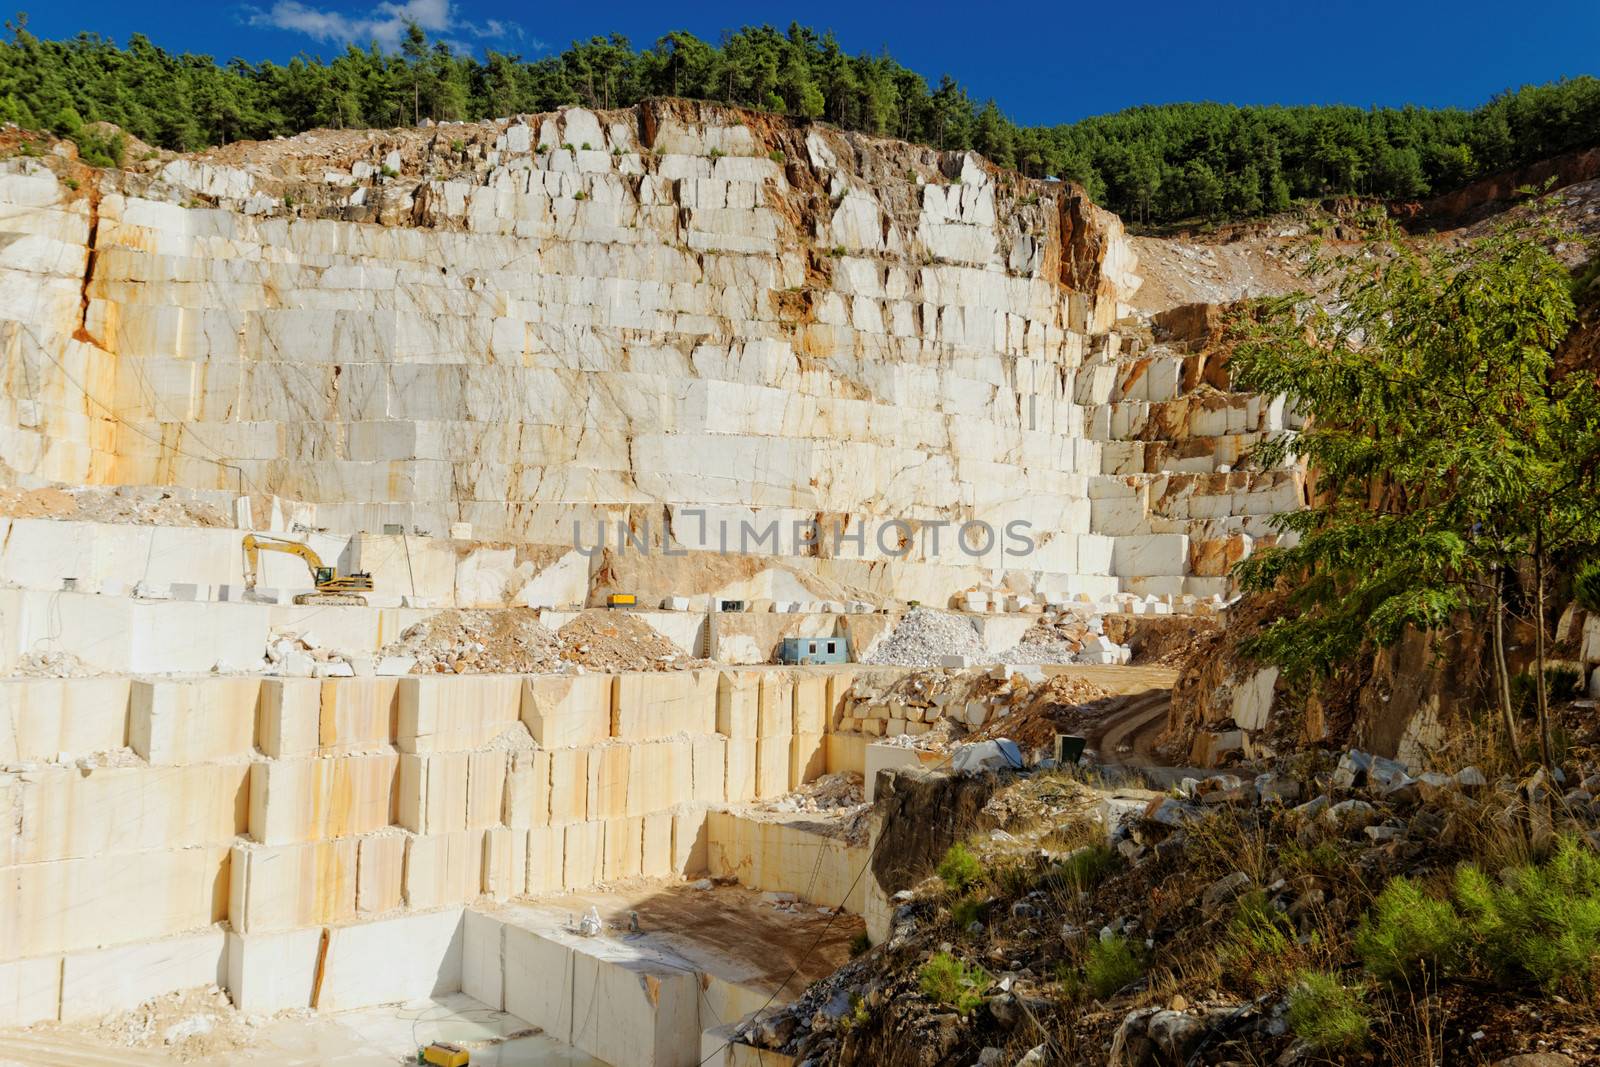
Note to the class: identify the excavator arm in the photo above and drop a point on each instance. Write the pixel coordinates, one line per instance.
(254, 546)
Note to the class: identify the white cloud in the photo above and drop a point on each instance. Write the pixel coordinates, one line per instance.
(385, 23)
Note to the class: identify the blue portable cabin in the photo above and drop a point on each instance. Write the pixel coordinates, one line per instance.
(814, 650)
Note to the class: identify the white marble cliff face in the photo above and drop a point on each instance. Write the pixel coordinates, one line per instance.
(523, 324)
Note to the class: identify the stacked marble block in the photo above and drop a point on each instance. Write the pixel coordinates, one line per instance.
(291, 806)
(1173, 511)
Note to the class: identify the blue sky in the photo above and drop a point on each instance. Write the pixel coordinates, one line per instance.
(1058, 62)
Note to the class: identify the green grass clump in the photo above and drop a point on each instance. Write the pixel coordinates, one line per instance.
(959, 869)
(1537, 921)
(953, 983)
(1327, 1014)
(1259, 946)
(777, 157)
(969, 909)
(859, 944)
(1409, 933)
(1086, 867)
(1112, 965)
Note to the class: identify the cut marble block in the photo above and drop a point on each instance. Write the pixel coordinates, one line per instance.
(738, 703)
(64, 906)
(808, 759)
(772, 765)
(269, 973)
(443, 869)
(546, 859)
(285, 886)
(623, 848)
(655, 857)
(311, 799)
(287, 717)
(483, 961)
(608, 780)
(386, 961)
(64, 813)
(193, 721)
(742, 761)
(690, 828)
(357, 714)
(569, 785)
(648, 705)
(583, 856)
(486, 782)
(811, 704)
(775, 715)
(41, 717)
(433, 792)
(660, 774)
(456, 712)
(380, 871)
(505, 862)
(527, 788)
(563, 710)
(614, 1001)
(709, 765)
(30, 991)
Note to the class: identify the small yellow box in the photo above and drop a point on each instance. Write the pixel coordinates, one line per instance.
(444, 1054)
(621, 600)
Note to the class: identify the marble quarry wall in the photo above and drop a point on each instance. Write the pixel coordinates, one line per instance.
(674, 319)
(265, 831)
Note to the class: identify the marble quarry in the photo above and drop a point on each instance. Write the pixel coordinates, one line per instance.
(527, 364)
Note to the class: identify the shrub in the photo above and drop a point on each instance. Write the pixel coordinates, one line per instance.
(616, 151)
(580, 195)
(1113, 964)
(952, 982)
(1586, 586)
(1260, 944)
(960, 868)
(716, 153)
(1542, 921)
(586, 147)
(99, 150)
(1409, 932)
(70, 183)
(388, 171)
(540, 149)
(458, 145)
(1326, 1014)
(859, 944)
(777, 157)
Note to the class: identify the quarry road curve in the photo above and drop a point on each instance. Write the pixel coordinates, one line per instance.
(1127, 734)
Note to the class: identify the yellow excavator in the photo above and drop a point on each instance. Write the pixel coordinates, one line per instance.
(332, 587)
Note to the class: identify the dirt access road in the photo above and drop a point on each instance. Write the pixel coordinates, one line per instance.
(1127, 732)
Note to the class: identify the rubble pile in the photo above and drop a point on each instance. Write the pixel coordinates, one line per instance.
(599, 640)
(933, 708)
(470, 641)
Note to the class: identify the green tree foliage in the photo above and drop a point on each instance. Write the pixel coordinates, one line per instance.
(1538, 922)
(1409, 935)
(1157, 164)
(1328, 1015)
(1448, 452)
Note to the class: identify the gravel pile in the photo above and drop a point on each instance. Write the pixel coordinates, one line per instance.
(923, 636)
(1040, 650)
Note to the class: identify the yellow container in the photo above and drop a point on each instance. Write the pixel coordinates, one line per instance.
(621, 600)
(444, 1054)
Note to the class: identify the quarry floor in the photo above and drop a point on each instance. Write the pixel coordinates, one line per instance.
(368, 1037)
